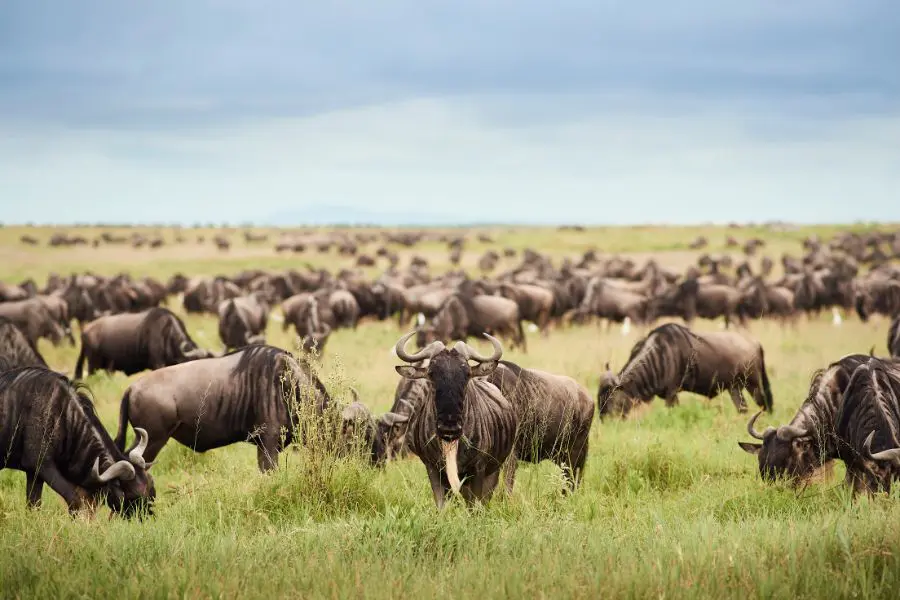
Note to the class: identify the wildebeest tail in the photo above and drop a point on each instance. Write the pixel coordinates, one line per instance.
(123, 420)
(79, 364)
(767, 389)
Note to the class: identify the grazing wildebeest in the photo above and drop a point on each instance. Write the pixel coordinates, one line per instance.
(870, 417)
(809, 442)
(465, 430)
(555, 414)
(375, 435)
(691, 299)
(133, 342)
(672, 358)
(243, 321)
(49, 430)
(15, 348)
(33, 318)
(258, 394)
(894, 337)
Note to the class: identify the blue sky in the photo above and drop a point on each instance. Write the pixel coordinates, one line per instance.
(475, 110)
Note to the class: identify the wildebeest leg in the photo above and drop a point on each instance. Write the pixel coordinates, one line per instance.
(34, 488)
(439, 488)
(486, 484)
(59, 484)
(672, 399)
(738, 398)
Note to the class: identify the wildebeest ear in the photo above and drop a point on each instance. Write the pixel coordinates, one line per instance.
(750, 447)
(483, 369)
(411, 372)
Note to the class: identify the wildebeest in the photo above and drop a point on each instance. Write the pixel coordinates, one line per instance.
(317, 331)
(894, 337)
(465, 430)
(32, 317)
(258, 394)
(809, 442)
(869, 426)
(555, 414)
(464, 314)
(243, 321)
(133, 342)
(15, 348)
(49, 430)
(374, 434)
(672, 358)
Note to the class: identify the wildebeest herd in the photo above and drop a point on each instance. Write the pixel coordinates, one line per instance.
(467, 416)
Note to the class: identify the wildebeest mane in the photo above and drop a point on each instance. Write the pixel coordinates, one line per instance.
(259, 365)
(162, 332)
(661, 362)
(15, 340)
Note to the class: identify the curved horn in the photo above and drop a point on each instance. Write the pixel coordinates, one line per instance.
(197, 352)
(136, 455)
(752, 431)
(449, 450)
(354, 393)
(498, 351)
(427, 352)
(121, 469)
(891, 455)
(788, 432)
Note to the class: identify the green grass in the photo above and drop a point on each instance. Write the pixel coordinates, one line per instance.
(670, 506)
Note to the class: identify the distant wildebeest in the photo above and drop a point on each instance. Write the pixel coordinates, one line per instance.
(555, 414)
(691, 299)
(33, 318)
(15, 348)
(869, 426)
(11, 293)
(535, 302)
(465, 430)
(258, 395)
(133, 342)
(466, 314)
(672, 359)
(317, 331)
(809, 442)
(49, 430)
(243, 321)
(894, 337)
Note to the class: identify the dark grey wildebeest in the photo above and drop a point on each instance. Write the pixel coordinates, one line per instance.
(134, 342)
(555, 414)
(808, 443)
(465, 430)
(672, 358)
(49, 430)
(243, 321)
(869, 426)
(258, 394)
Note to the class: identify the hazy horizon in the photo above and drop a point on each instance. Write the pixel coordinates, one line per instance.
(598, 113)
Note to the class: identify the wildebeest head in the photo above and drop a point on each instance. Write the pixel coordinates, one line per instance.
(191, 351)
(359, 426)
(131, 488)
(786, 452)
(877, 468)
(449, 373)
(611, 398)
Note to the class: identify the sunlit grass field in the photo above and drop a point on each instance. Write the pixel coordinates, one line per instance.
(669, 507)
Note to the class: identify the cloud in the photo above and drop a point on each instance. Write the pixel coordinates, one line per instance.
(445, 156)
(604, 111)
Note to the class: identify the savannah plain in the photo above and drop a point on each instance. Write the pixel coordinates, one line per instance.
(670, 506)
